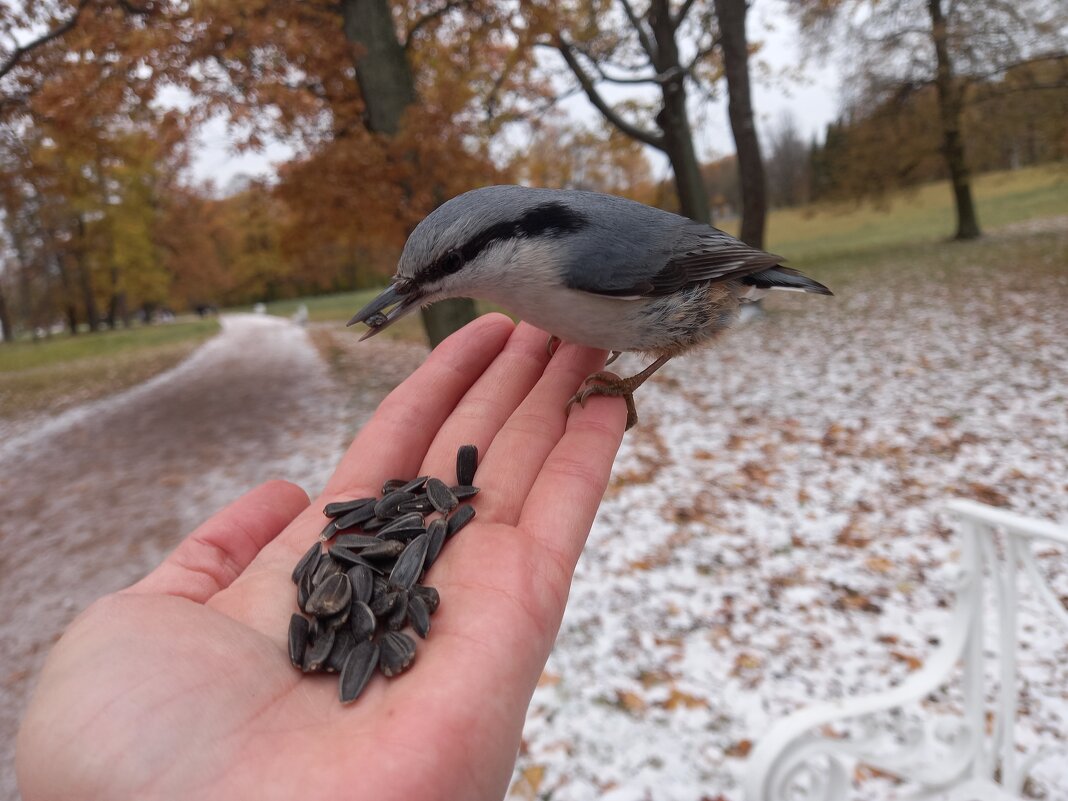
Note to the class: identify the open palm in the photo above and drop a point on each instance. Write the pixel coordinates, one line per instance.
(181, 687)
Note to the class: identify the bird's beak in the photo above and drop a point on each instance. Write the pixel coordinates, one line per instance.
(403, 294)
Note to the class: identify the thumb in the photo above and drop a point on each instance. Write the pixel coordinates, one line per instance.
(217, 552)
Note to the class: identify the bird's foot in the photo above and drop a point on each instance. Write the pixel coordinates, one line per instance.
(610, 386)
(613, 386)
(615, 355)
(552, 344)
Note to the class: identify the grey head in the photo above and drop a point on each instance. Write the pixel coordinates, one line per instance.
(471, 242)
(503, 242)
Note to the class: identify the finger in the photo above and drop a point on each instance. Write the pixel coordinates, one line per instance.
(395, 441)
(217, 552)
(490, 402)
(562, 503)
(518, 452)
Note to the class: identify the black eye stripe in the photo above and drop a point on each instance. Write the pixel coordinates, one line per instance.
(547, 219)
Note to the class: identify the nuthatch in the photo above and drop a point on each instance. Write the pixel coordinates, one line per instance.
(589, 268)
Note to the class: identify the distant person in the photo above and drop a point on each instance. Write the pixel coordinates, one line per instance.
(180, 687)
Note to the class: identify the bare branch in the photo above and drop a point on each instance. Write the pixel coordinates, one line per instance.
(16, 56)
(426, 19)
(658, 78)
(643, 35)
(676, 20)
(610, 114)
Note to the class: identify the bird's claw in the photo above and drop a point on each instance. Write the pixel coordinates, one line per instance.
(609, 386)
(552, 345)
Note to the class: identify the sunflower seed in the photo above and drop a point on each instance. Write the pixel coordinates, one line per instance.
(362, 621)
(338, 508)
(354, 518)
(308, 562)
(354, 541)
(330, 597)
(414, 485)
(463, 516)
(404, 536)
(410, 563)
(362, 580)
(393, 485)
(408, 521)
(436, 532)
(298, 639)
(386, 549)
(466, 463)
(349, 558)
(429, 595)
(337, 620)
(398, 616)
(388, 506)
(318, 651)
(464, 491)
(381, 587)
(329, 530)
(327, 567)
(396, 652)
(344, 642)
(441, 496)
(382, 605)
(304, 591)
(419, 616)
(358, 668)
(376, 523)
(421, 504)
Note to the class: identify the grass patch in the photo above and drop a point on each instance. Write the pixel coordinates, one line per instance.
(922, 215)
(26, 355)
(47, 376)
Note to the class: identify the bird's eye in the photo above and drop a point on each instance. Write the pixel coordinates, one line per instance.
(451, 262)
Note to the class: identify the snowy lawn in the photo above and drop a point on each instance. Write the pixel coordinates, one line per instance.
(772, 536)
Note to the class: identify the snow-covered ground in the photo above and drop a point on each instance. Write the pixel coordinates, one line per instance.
(773, 536)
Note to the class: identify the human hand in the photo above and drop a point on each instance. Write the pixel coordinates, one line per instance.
(180, 687)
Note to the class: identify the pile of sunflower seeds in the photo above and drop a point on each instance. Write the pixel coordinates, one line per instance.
(363, 588)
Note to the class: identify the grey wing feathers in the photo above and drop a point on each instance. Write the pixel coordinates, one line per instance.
(668, 258)
(709, 255)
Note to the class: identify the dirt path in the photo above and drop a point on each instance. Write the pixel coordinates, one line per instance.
(115, 484)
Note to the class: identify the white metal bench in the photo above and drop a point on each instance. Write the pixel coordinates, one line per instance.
(973, 757)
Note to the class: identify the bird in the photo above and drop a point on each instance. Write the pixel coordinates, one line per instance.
(589, 268)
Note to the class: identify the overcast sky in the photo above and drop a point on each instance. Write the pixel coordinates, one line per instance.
(813, 101)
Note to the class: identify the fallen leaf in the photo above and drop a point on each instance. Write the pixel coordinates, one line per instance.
(632, 702)
(528, 783)
(678, 698)
(740, 749)
(914, 663)
(745, 661)
(879, 564)
(548, 679)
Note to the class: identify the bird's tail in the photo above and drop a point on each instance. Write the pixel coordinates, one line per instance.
(785, 278)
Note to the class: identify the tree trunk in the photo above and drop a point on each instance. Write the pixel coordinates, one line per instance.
(7, 333)
(117, 311)
(388, 88)
(674, 120)
(85, 280)
(66, 288)
(950, 102)
(753, 188)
